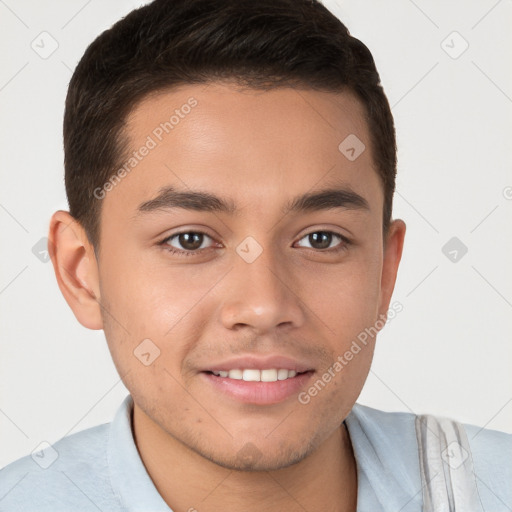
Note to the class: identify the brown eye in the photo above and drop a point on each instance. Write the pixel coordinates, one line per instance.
(322, 240)
(187, 241)
(190, 241)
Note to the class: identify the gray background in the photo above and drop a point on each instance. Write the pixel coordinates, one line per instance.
(448, 352)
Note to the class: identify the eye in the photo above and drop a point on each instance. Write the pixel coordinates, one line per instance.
(322, 240)
(186, 242)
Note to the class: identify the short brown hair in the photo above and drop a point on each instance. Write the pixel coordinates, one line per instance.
(262, 44)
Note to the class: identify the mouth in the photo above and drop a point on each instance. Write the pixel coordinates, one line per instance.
(260, 387)
(255, 375)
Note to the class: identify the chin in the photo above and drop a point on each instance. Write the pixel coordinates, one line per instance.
(250, 458)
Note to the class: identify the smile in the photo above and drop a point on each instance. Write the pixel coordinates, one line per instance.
(254, 375)
(260, 387)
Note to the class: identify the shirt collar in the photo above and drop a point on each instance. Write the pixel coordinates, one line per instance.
(384, 477)
(129, 478)
(386, 454)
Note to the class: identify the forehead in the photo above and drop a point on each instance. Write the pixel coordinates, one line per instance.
(259, 147)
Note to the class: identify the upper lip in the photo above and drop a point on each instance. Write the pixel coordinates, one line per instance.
(261, 363)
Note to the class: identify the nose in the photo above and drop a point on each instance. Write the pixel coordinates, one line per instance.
(261, 296)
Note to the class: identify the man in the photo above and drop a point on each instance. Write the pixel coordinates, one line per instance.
(230, 169)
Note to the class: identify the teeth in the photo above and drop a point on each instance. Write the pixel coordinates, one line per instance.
(268, 375)
(235, 374)
(282, 374)
(253, 375)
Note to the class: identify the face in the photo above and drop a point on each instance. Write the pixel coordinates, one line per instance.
(224, 311)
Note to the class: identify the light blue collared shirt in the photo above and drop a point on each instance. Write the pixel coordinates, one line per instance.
(100, 468)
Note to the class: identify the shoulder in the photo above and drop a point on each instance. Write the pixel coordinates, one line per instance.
(393, 435)
(489, 446)
(491, 451)
(71, 473)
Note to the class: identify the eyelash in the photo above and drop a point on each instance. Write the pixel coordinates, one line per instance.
(340, 247)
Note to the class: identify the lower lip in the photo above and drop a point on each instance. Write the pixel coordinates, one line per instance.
(260, 393)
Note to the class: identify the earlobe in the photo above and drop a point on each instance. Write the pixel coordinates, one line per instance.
(76, 269)
(392, 254)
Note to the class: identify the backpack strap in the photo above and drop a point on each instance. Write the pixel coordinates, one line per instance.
(446, 466)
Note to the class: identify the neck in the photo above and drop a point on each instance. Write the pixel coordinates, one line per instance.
(325, 480)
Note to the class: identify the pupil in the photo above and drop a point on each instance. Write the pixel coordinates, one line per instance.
(321, 238)
(190, 241)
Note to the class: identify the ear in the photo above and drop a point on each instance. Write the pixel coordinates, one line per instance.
(393, 245)
(76, 269)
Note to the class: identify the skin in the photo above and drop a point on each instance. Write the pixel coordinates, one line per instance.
(259, 149)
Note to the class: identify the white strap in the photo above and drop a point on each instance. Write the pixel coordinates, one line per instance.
(446, 466)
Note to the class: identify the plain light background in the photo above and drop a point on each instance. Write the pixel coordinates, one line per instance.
(448, 352)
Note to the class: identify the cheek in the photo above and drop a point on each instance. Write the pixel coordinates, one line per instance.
(152, 314)
(346, 299)
(149, 298)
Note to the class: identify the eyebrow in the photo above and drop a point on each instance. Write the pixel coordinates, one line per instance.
(170, 198)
